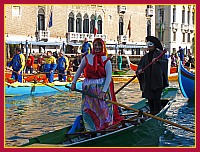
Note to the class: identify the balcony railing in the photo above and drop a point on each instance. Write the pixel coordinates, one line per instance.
(42, 35)
(175, 26)
(73, 36)
(191, 28)
(122, 38)
(122, 9)
(184, 27)
(149, 12)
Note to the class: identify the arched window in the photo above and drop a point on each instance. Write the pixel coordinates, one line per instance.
(78, 23)
(193, 16)
(174, 13)
(71, 22)
(92, 23)
(121, 26)
(85, 24)
(99, 25)
(41, 19)
(183, 15)
(188, 15)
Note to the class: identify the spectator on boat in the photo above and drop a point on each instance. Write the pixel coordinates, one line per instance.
(29, 63)
(40, 62)
(154, 78)
(177, 58)
(76, 62)
(17, 63)
(181, 53)
(97, 113)
(63, 65)
(119, 61)
(50, 66)
(173, 60)
(190, 62)
(86, 47)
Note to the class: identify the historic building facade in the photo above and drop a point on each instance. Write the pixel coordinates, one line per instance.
(55, 26)
(175, 26)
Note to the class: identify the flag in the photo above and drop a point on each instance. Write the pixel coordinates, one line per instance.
(51, 19)
(95, 25)
(129, 28)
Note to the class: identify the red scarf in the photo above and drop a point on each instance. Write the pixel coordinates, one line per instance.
(97, 56)
(98, 59)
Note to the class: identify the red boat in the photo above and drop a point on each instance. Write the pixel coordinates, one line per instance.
(134, 68)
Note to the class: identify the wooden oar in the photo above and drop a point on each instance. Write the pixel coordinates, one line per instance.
(156, 59)
(53, 87)
(25, 74)
(136, 110)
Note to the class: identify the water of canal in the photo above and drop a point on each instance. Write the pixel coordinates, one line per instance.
(32, 116)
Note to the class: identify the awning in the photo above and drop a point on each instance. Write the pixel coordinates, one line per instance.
(128, 46)
(15, 42)
(74, 44)
(35, 42)
(119, 46)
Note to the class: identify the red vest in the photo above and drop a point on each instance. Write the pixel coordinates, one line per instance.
(89, 71)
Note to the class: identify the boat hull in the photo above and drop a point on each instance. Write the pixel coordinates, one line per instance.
(19, 89)
(134, 68)
(126, 78)
(141, 135)
(186, 81)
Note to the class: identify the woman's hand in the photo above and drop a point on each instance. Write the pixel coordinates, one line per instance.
(73, 86)
(102, 95)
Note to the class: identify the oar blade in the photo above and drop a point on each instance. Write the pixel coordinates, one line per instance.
(32, 89)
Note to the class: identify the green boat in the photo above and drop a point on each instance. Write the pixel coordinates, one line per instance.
(136, 130)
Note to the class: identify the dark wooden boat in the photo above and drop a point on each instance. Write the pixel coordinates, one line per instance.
(136, 130)
(186, 81)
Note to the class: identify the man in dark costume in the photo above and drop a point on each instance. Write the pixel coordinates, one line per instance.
(154, 79)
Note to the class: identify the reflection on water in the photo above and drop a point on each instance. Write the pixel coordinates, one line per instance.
(32, 116)
(181, 113)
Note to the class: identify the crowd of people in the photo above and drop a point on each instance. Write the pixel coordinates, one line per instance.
(49, 63)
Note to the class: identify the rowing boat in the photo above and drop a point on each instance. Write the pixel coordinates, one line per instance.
(135, 131)
(134, 68)
(19, 89)
(125, 78)
(186, 81)
(28, 77)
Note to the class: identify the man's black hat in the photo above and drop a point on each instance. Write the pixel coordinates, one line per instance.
(156, 41)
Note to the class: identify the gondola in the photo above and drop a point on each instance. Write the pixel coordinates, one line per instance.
(186, 81)
(135, 130)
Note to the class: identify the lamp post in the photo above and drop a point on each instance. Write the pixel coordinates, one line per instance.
(31, 44)
(26, 45)
(116, 46)
(63, 47)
